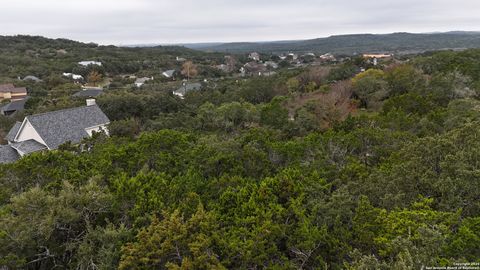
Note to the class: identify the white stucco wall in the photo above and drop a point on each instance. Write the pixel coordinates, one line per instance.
(27, 132)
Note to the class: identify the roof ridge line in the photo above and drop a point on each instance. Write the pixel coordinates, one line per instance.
(62, 110)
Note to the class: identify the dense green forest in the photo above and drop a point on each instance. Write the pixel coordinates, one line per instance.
(323, 167)
(402, 43)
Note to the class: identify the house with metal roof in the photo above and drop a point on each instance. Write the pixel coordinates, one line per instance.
(47, 131)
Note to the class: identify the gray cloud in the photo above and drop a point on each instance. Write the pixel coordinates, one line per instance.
(167, 21)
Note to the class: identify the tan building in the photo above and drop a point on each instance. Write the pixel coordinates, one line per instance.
(9, 91)
(377, 55)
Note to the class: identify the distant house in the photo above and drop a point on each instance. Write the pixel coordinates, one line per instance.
(377, 55)
(169, 73)
(9, 91)
(327, 57)
(187, 87)
(141, 81)
(230, 63)
(222, 67)
(47, 131)
(13, 107)
(373, 58)
(88, 93)
(271, 64)
(31, 78)
(254, 56)
(88, 63)
(180, 59)
(293, 56)
(243, 72)
(75, 77)
(254, 68)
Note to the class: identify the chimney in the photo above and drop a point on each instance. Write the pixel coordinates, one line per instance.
(91, 102)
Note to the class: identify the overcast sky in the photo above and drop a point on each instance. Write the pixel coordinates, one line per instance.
(180, 21)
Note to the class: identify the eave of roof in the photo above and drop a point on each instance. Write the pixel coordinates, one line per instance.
(28, 147)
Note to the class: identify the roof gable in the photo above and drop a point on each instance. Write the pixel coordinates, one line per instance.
(26, 132)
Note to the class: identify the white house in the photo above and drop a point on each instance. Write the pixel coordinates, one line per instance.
(87, 63)
(73, 76)
(47, 131)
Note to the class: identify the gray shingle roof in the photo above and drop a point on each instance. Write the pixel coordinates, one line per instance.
(89, 93)
(28, 147)
(188, 87)
(13, 131)
(17, 105)
(8, 154)
(59, 127)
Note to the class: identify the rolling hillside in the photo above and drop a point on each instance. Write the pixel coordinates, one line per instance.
(350, 44)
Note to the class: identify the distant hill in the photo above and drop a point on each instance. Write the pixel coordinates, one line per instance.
(26, 42)
(401, 43)
(22, 55)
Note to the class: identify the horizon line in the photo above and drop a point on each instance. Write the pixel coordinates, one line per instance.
(147, 44)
